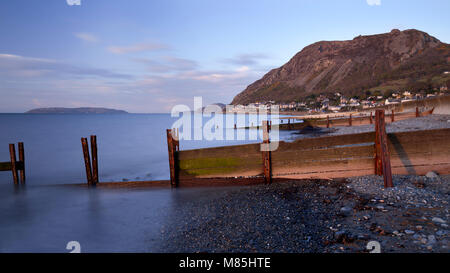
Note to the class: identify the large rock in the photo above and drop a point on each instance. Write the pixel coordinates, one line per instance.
(398, 59)
(432, 175)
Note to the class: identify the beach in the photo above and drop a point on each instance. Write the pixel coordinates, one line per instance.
(313, 216)
(340, 215)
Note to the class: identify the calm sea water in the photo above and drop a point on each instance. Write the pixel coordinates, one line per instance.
(43, 218)
(131, 147)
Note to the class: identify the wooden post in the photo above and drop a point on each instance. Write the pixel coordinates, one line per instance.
(22, 163)
(267, 155)
(378, 168)
(87, 160)
(94, 159)
(371, 121)
(417, 112)
(328, 121)
(392, 116)
(382, 158)
(350, 120)
(12, 153)
(172, 147)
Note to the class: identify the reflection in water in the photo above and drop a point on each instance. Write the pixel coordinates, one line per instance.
(46, 218)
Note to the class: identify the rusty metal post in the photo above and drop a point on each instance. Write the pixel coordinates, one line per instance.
(378, 168)
(417, 112)
(87, 160)
(94, 159)
(382, 159)
(22, 163)
(371, 121)
(328, 121)
(392, 116)
(172, 147)
(350, 120)
(267, 155)
(12, 153)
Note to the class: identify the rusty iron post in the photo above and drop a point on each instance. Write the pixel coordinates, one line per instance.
(267, 155)
(22, 163)
(328, 121)
(87, 161)
(370, 119)
(378, 169)
(392, 115)
(172, 146)
(350, 120)
(12, 153)
(382, 158)
(417, 112)
(94, 159)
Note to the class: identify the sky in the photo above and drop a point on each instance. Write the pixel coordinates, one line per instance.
(147, 56)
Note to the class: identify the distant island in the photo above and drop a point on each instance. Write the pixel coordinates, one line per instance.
(80, 110)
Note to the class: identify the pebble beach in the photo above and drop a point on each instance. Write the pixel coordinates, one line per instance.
(321, 216)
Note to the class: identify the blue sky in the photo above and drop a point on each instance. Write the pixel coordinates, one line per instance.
(147, 56)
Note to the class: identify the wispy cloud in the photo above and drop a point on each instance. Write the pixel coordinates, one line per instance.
(167, 64)
(87, 37)
(32, 67)
(246, 59)
(39, 82)
(137, 48)
(374, 2)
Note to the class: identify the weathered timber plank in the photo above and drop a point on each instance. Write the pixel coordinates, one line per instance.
(328, 175)
(436, 135)
(442, 168)
(221, 167)
(327, 169)
(5, 166)
(294, 156)
(232, 151)
(331, 141)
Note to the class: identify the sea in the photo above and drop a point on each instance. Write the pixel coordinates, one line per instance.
(50, 212)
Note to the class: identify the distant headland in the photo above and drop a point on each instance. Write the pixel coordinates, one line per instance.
(80, 110)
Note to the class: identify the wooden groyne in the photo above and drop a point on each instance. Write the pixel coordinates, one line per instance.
(352, 119)
(14, 165)
(329, 157)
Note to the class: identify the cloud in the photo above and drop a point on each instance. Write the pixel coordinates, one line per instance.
(246, 59)
(374, 2)
(29, 82)
(87, 37)
(167, 64)
(137, 48)
(21, 66)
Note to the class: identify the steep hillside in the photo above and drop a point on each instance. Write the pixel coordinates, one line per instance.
(408, 59)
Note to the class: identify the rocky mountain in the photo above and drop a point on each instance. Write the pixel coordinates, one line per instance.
(81, 110)
(409, 59)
